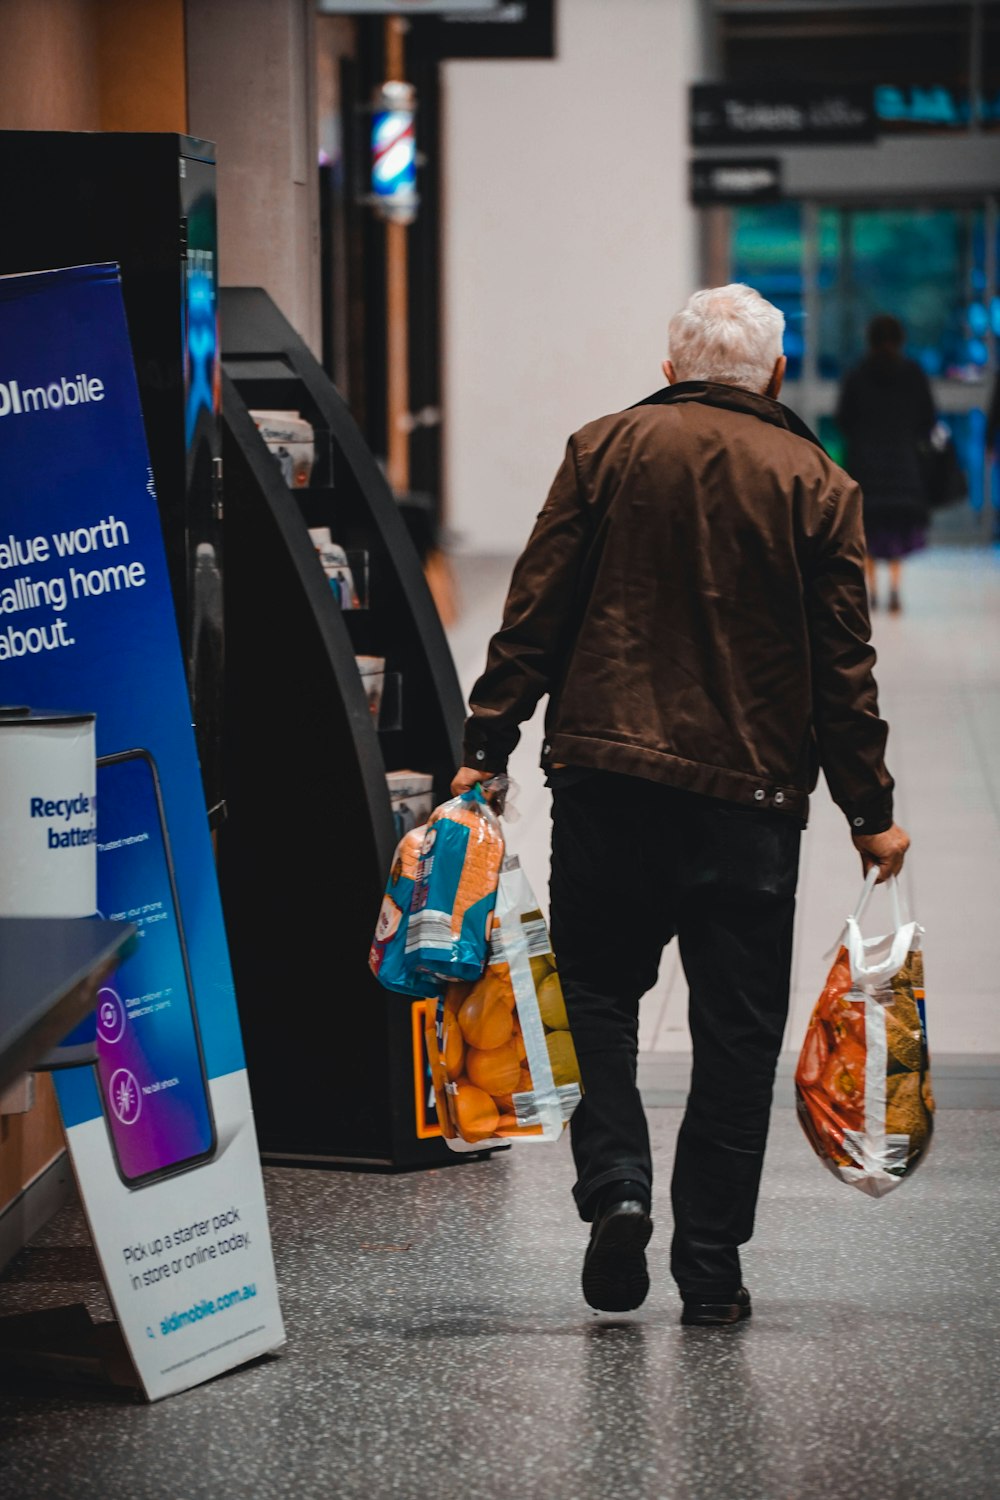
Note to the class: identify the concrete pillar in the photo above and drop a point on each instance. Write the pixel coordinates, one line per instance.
(251, 90)
(568, 241)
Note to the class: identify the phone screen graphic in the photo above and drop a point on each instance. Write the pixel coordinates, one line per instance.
(150, 1067)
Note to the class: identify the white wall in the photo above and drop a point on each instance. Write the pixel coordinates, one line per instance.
(568, 242)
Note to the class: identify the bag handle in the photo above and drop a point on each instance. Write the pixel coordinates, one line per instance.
(871, 880)
(857, 947)
(892, 887)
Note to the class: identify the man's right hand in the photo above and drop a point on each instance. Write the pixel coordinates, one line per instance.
(465, 777)
(886, 850)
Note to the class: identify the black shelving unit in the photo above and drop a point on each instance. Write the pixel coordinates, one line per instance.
(336, 1065)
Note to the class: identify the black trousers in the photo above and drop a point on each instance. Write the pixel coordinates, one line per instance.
(634, 864)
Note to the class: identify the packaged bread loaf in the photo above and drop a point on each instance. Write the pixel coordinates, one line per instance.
(456, 889)
(387, 957)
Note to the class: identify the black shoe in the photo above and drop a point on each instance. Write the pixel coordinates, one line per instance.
(895, 603)
(698, 1314)
(615, 1278)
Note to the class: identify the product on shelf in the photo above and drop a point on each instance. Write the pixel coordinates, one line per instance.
(372, 669)
(292, 440)
(411, 795)
(336, 567)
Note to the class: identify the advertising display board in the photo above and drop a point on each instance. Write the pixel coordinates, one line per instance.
(160, 1132)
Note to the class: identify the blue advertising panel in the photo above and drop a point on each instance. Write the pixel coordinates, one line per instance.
(161, 1130)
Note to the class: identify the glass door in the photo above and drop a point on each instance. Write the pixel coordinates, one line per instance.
(832, 267)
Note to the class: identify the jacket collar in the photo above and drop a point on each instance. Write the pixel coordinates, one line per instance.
(734, 398)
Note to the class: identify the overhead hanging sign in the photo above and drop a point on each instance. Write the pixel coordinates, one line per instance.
(160, 1131)
(515, 28)
(401, 7)
(735, 179)
(922, 106)
(786, 114)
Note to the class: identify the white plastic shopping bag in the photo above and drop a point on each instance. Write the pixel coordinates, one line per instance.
(863, 1087)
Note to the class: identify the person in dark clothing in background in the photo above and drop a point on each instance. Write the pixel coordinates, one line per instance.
(993, 448)
(885, 411)
(692, 600)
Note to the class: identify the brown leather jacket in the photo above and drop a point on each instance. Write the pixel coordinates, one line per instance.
(692, 598)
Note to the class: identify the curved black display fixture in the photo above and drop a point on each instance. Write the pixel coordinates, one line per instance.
(335, 1064)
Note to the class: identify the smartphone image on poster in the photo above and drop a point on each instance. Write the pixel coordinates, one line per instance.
(150, 1067)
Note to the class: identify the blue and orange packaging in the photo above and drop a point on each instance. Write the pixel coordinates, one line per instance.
(388, 958)
(451, 913)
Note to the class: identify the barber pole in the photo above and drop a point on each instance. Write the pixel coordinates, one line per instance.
(394, 153)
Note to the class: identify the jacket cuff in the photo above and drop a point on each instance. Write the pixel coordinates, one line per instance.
(481, 752)
(873, 816)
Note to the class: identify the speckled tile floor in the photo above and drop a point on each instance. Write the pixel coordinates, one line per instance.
(438, 1343)
(439, 1346)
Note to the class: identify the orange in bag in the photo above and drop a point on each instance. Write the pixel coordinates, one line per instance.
(502, 1057)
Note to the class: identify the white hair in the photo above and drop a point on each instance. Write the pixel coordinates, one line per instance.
(727, 334)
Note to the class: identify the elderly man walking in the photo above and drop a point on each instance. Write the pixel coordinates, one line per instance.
(692, 599)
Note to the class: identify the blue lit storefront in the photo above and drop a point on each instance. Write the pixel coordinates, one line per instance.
(831, 266)
(882, 196)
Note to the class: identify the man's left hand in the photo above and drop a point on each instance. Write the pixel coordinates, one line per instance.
(886, 850)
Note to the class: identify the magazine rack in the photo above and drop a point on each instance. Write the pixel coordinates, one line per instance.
(336, 1063)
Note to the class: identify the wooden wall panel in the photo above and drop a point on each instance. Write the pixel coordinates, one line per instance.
(92, 65)
(141, 65)
(48, 65)
(29, 1142)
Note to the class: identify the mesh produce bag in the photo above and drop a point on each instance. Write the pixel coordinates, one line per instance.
(502, 1058)
(862, 1084)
